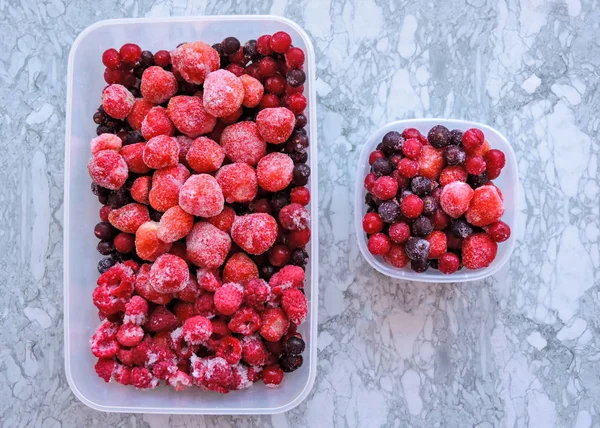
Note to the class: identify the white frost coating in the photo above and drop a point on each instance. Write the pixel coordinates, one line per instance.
(176, 334)
(137, 319)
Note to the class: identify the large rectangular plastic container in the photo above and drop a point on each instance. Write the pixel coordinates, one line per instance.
(85, 83)
(508, 182)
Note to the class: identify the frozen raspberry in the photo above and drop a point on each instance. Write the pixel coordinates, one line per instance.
(486, 206)
(161, 319)
(472, 138)
(272, 376)
(406, 167)
(194, 61)
(158, 85)
(122, 374)
(396, 256)
(437, 244)
(138, 112)
(228, 298)
(232, 118)
(133, 154)
(254, 351)
(256, 292)
(238, 182)
(480, 150)
(117, 101)
(105, 142)
(242, 379)
(190, 292)
(179, 380)
(124, 243)
(174, 225)
(455, 198)
(161, 152)
(223, 93)
(385, 188)
(253, 91)
(297, 238)
(411, 206)
(495, 161)
(108, 169)
(205, 155)
(166, 186)
(130, 335)
(431, 162)
(169, 274)
(453, 173)
(448, 263)
(104, 343)
(163, 369)
(136, 311)
(294, 217)
(201, 196)
(254, 233)
(412, 148)
(274, 324)
(499, 231)
(275, 171)
(300, 195)
(245, 321)
(147, 244)
(207, 246)
(275, 124)
(220, 329)
(378, 244)
(189, 117)
(223, 220)
(230, 349)
(239, 268)
(213, 374)
(129, 217)
(105, 368)
(141, 378)
(243, 143)
(184, 310)
(116, 282)
(295, 306)
(197, 330)
(478, 251)
(288, 277)
(185, 143)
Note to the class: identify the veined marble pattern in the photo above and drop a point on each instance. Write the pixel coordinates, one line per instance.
(520, 349)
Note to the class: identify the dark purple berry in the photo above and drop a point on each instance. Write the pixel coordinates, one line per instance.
(301, 174)
(103, 199)
(370, 200)
(421, 186)
(454, 155)
(301, 121)
(99, 118)
(294, 346)
(477, 180)
(382, 167)
(405, 193)
(422, 226)
(430, 205)
(133, 137)
(433, 263)
(155, 215)
(104, 230)
(389, 211)
(266, 272)
(295, 77)
(278, 201)
(299, 257)
(104, 129)
(460, 228)
(417, 248)
(438, 136)
(392, 142)
(290, 363)
(455, 137)
(299, 157)
(119, 198)
(419, 266)
(250, 49)
(105, 264)
(147, 59)
(138, 70)
(230, 45)
(105, 247)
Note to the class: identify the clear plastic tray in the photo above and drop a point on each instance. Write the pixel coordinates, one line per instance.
(85, 83)
(508, 182)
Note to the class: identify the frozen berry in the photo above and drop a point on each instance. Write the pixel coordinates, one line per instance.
(111, 59)
(223, 93)
(272, 376)
(274, 324)
(454, 155)
(256, 292)
(207, 246)
(455, 198)
(408, 168)
(411, 206)
(417, 248)
(374, 155)
(133, 154)
(440, 219)
(197, 330)
(280, 42)
(129, 217)
(419, 266)
(475, 165)
(295, 78)
(108, 169)
(194, 61)
(472, 138)
(228, 298)
(117, 101)
(239, 268)
(297, 238)
(162, 58)
(201, 196)
(158, 85)
(478, 251)
(478, 180)
(455, 137)
(412, 148)
(205, 155)
(174, 225)
(254, 233)
(243, 143)
(275, 125)
(430, 205)
(166, 186)
(453, 173)
(499, 231)
(253, 91)
(147, 244)
(460, 228)
(449, 263)
(301, 174)
(224, 219)
(422, 226)
(437, 244)
(486, 206)
(160, 152)
(399, 232)
(189, 117)
(169, 274)
(372, 223)
(392, 142)
(279, 255)
(431, 162)
(389, 211)
(130, 53)
(157, 122)
(385, 188)
(238, 182)
(396, 256)
(439, 136)
(495, 161)
(294, 346)
(421, 186)
(294, 217)
(105, 142)
(295, 305)
(287, 277)
(378, 244)
(275, 172)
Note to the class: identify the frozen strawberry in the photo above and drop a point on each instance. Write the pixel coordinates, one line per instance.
(140, 189)
(194, 61)
(239, 268)
(254, 233)
(108, 169)
(166, 186)
(275, 172)
(223, 93)
(455, 198)
(190, 292)
(133, 154)
(437, 244)
(136, 311)
(209, 280)
(486, 206)
(228, 298)
(214, 374)
(174, 225)
(238, 182)
(256, 292)
(105, 368)
(189, 117)
(232, 118)
(274, 324)
(242, 143)
(201, 196)
(275, 124)
(179, 380)
(141, 378)
(230, 349)
(117, 101)
(207, 246)
(254, 351)
(161, 152)
(223, 220)
(104, 343)
(453, 173)
(294, 217)
(105, 142)
(295, 306)
(205, 155)
(288, 277)
(431, 162)
(129, 217)
(138, 112)
(396, 256)
(253, 91)
(197, 330)
(157, 123)
(169, 274)
(130, 335)
(147, 244)
(158, 85)
(478, 251)
(161, 319)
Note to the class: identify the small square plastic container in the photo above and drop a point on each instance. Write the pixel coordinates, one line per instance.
(85, 83)
(508, 182)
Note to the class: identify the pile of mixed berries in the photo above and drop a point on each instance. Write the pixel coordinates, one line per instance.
(200, 165)
(431, 201)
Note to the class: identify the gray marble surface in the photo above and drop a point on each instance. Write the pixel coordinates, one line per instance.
(519, 349)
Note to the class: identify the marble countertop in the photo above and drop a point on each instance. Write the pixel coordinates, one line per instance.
(519, 349)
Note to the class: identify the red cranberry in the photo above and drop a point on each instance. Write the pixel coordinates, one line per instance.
(236, 69)
(280, 42)
(272, 375)
(111, 59)
(279, 255)
(449, 263)
(372, 223)
(267, 67)
(399, 232)
(370, 180)
(297, 103)
(238, 57)
(130, 53)
(472, 138)
(411, 133)
(263, 45)
(300, 195)
(378, 244)
(112, 76)
(162, 58)
(475, 165)
(499, 231)
(293, 90)
(294, 57)
(262, 206)
(269, 101)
